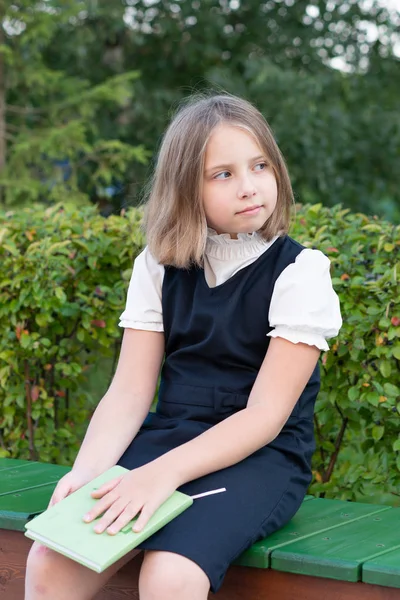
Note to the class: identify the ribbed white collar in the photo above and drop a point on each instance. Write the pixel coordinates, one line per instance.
(223, 247)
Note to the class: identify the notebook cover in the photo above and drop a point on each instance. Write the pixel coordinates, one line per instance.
(61, 527)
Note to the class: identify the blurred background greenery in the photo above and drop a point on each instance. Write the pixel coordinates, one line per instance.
(87, 87)
(86, 90)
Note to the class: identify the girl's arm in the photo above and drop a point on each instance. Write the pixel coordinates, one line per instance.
(122, 410)
(284, 373)
(283, 376)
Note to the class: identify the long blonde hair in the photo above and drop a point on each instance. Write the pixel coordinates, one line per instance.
(175, 222)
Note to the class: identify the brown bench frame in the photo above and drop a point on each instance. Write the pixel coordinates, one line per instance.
(241, 583)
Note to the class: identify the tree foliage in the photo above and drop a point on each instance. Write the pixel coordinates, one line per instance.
(56, 148)
(78, 121)
(340, 130)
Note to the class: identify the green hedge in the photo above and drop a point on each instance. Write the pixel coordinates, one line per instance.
(357, 419)
(65, 275)
(63, 286)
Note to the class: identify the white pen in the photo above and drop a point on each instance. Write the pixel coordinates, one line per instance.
(208, 493)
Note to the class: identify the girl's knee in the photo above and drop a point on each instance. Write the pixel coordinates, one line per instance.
(39, 568)
(166, 576)
(40, 558)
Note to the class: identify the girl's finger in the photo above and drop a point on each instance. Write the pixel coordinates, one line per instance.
(61, 491)
(146, 513)
(110, 515)
(101, 506)
(106, 487)
(127, 515)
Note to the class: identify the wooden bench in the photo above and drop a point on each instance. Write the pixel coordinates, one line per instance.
(331, 549)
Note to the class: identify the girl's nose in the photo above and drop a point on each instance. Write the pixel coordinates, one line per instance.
(246, 190)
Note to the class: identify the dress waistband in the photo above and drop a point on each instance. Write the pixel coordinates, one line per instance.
(220, 399)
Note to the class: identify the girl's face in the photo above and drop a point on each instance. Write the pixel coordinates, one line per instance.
(239, 188)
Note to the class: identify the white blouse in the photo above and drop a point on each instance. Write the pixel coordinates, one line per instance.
(304, 307)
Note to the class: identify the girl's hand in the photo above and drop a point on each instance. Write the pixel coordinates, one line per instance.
(71, 482)
(121, 499)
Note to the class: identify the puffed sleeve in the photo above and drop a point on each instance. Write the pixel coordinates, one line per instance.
(304, 307)
(143, 308)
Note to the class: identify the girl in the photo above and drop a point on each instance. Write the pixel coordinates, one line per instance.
(240, 312)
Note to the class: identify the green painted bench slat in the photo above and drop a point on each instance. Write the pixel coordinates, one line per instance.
(28, 476)
(326, 538)
(340, 552)
(11, 463)
(17, 508)
(315, 516)
(384, 570)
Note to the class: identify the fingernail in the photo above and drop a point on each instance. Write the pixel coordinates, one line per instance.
(112, 530)
(86, 517)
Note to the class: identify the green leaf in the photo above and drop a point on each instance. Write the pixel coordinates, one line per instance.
(92, 262)
(4, 374)
(41, 320)
(391, 390)
(60, 294)
(374, 310)
(25, 340)
(377, 432)
(64, 433)
(373, 398)
(385, 368)
(359, 344)
(396, 445)
(353, 394)
(372, 228)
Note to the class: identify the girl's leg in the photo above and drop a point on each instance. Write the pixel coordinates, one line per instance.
(51, 576)
(169, 576)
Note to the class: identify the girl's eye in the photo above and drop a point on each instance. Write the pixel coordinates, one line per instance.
(261, 166)
(223, 175)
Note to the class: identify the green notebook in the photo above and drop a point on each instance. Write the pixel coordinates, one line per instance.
(61, 527)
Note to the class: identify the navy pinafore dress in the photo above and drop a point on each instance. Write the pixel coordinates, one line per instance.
(215, 341)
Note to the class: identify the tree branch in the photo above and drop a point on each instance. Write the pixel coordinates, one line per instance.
(23, 110)
(12, 127)
(2, 444)
(318, 428)
(328, 473)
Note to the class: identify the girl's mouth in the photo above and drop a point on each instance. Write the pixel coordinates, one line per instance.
(251, 210)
